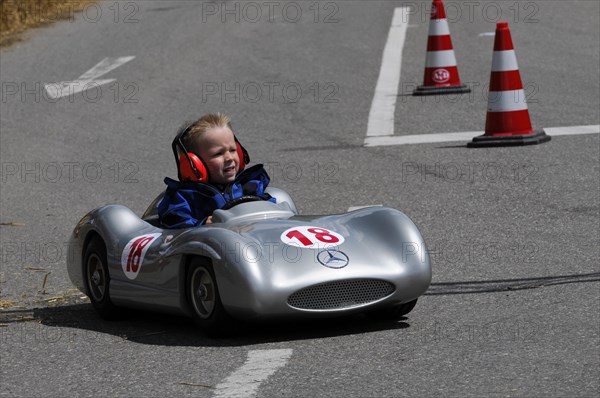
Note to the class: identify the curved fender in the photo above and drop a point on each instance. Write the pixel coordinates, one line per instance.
(393, 233)
(110, 222)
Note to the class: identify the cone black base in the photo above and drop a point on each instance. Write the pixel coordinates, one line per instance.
(424, 90)
(483, 141)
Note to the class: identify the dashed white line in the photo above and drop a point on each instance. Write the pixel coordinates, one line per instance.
(259, 365)
(467, 136)
(383, 107)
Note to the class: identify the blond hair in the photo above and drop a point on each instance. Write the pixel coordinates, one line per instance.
(202, 125)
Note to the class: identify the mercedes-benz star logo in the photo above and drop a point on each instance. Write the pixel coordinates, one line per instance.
(333, 258)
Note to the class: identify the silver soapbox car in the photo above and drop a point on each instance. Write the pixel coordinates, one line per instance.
(257, 260)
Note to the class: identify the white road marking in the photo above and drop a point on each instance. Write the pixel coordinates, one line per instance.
(421, 138)
(259, 365)
(383, 107)
(352, 208)
(88, 79)
(485, 34)
(468, 136)
(105, 66)
(574, 130)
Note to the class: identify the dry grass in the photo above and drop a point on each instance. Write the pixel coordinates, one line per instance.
(16, 16)
(6, 304)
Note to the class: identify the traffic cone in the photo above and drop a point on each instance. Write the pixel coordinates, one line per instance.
(441, 72)
(507, 121)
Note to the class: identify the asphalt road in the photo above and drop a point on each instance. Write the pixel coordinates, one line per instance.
(513, 309)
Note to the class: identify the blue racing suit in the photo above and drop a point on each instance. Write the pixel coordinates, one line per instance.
(187, 204)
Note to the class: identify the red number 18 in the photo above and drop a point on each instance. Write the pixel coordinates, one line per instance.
(320, 234)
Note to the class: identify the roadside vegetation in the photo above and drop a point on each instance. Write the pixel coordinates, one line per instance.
(16, 16)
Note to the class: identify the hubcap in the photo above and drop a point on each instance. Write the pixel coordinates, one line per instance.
(96, 278)
(202, 292)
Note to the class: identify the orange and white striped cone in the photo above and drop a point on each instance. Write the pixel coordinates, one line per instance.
(507, 121)
(441, 71)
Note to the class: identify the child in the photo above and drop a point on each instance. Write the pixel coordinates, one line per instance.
(210, 167)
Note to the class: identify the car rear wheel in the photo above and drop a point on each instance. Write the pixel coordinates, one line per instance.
(97, 279)
(394, 313)
(205, 302)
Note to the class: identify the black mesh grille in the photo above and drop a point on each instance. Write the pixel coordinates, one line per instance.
(340, 294)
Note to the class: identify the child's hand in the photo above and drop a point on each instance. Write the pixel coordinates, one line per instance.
(208, 220)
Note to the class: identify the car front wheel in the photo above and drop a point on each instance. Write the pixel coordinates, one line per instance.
(205, 302)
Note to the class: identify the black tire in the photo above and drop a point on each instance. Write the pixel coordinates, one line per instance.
(205, 302)
(97, 280)
(394, 313)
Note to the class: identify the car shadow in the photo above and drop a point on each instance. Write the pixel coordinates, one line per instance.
(160, 329)
(168, 330)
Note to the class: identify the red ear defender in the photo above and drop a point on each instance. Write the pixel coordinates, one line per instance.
(242, 155)
(186, 168)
